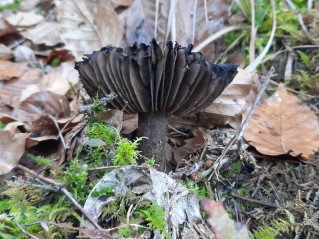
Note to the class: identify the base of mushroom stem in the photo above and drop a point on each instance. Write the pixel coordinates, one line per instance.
(153, 126)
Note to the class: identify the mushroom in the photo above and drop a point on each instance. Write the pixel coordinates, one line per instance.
(155, 81)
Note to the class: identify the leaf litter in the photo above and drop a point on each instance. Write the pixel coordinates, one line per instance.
(39, 105)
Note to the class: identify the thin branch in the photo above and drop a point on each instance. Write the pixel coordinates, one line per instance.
(267, 204)
(61, 188)
(44, 187)
(219, 162)
(23, 230)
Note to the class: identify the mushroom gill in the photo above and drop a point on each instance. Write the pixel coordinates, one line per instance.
(155, 81)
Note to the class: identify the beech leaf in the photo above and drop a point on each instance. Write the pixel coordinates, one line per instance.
(11, 150)
(88, 25)
(281, 125)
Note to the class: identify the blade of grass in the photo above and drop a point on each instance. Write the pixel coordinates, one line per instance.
(252, 66)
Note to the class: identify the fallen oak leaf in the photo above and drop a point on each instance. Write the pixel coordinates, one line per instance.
(12, 148)
(9, 70)
(281, 125)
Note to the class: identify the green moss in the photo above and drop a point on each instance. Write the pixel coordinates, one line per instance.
(106, 191)
(126, 152)
(154, 215)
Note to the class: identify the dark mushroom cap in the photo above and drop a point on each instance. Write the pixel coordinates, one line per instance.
(155, 78)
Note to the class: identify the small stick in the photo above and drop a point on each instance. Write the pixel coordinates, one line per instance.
(267, 204)
(23, 230)
(218, 163)
(61, 188)
(171, 127)
(58, 128)
(35, 185)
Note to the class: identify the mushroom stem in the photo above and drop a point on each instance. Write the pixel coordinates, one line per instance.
(152, 125)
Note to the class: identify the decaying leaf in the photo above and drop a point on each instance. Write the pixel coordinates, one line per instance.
(5, 53)
(87, 26)
(11, 150)
(11, 91)
(174, 20)
(46, 102)
(281, 125)
(181, 206)
(229, 106)
(24, 19)
(9, 70)
(60, 78)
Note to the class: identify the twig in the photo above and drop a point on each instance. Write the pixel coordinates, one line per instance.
(291, 90)
(60, 133)
(61, 188)
(171, 127)
(257, 100)
(23, 230)
(218, 163)
(35, 185)
(255, 201)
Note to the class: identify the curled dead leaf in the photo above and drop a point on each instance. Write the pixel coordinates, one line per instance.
(46, 102)
(9, 70)
(12, 148)
(281, 125)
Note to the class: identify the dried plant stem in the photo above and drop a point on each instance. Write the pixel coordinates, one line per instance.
(267, 204)
(238, 137)
(23, 230)
(61, 188)
(218, 34)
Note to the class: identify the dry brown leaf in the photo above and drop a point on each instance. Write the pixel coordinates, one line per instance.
(229, 106)
(11, 91)
(9, 70)
(6, 28)
(87, 26)
(129, 123)
(59, 79)
(5, 53)
(142, 25)
(46, 102)
(281, 125)
(11, 150)
(141, 21)
(44, 33)
(24, 19)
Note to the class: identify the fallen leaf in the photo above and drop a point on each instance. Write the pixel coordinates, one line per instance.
(229, 106)
(87, 26)
(24, 19)
(60, 78)
(5, 28)
(47, 33)
(129, 123)
(46, 102)
(28, 5)
(5, 53)
(141, 21)
(11, 150)
(281, 125)
(9, 70)
(11, 91)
